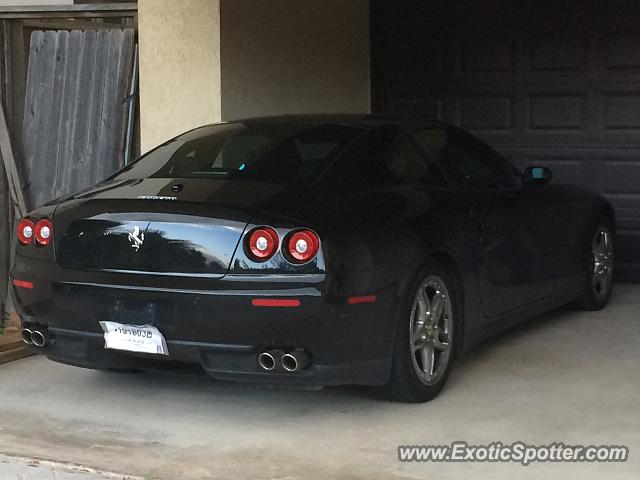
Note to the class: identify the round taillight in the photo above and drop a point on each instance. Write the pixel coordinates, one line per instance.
(263, 243)
(25, 231)
(43, 232)
(303, 246)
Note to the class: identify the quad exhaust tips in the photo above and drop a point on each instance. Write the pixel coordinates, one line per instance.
(276, 359)
(38, 337)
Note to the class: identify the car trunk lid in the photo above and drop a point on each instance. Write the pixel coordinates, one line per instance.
(156, 226)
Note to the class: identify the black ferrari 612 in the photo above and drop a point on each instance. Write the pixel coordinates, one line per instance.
(311, 250)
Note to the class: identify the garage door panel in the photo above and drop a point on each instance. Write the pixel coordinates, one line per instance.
(559, 54)
(486, 55)
(416, 31)
(421, 59)
(472, 15)
(557, 111)
(419, 8)
(623, 52)
(622, 111)
(552, 16)
(548, 83)
(618, 13)
(620, 176)
(486, 113)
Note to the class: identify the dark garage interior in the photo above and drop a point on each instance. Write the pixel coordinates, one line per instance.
(547, 83)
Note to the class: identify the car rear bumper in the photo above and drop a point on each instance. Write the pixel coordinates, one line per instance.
(219, 329)
(224, 362)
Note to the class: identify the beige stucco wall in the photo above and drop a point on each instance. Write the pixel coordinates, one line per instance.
(292, 56)
(179, 67)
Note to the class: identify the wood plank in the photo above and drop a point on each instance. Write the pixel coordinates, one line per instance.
(72, 24)
(5, 75)
(96, 120)
(83, 107)
(30, 131)
(87, 7)
(15, 354)
(103, 14)
(10, 165)
(110, 155)
(70, 100)
(69, 11)
(10, 342)
(51, 156)
(37, 168)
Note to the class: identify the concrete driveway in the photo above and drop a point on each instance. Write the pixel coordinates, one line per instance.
(570, 376)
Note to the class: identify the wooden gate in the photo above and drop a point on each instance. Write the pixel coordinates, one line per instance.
(75, 110)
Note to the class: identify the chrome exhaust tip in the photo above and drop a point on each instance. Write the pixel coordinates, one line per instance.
(266, 361)
(270, 359)
(294, 361)
(27, 336)
(40, 337)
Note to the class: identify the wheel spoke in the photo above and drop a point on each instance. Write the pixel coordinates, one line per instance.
(418, 338)
(424, 306)
(600, 244)
(437, 304)
(427, 357)
(441, 342)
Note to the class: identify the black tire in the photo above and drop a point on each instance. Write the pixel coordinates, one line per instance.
(594, 296)
(405, 384)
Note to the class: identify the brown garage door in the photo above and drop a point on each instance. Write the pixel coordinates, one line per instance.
(546, 82)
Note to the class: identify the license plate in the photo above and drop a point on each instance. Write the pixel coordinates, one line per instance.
(134, 338)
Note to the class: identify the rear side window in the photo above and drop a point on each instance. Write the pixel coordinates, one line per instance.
(274, 152)
(363, 165)
(413, 159)
(473, 164)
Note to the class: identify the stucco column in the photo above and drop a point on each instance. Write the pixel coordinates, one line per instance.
(180, 78)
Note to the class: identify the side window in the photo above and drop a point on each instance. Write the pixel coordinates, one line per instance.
(473, 164)
(362, 166)
(413, 159)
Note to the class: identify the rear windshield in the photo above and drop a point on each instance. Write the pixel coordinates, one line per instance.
(279, 153)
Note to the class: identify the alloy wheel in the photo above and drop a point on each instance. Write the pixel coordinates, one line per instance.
(431, 330)
(602, 251)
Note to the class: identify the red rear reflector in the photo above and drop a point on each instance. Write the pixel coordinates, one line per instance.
(275, 302)
(23, 284)
(361, 299)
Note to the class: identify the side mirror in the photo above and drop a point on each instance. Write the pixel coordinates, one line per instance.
(537, 176)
